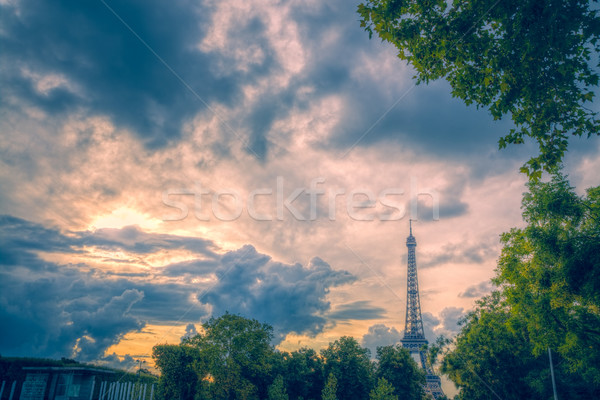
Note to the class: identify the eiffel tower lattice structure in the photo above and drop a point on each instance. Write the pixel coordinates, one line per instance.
(414, 336)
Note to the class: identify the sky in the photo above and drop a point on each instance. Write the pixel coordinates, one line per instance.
(164, 162)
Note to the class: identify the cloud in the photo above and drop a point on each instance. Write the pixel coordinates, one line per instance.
(456, 253)
(190, 268)
(132, 239)
(357, 310)
(48, 316)
(446, 323)
(78, 310)
(380, 335)
(124, 363)
(430, 323)
(190, 331)
(90, 49)
(448, 208)
(433, 326)
(292, 298)
(476, 291)
(450, 317)
(251, 66)
(20, 238)
(104, 326)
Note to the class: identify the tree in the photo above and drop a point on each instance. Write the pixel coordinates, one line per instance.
(492, 355)
(277, 390)
(351, 366)
(550, 273)
(178, 378)
(302, 371)
(546, 296)
(237, 356)
(330, 389)
(529, 59)
(396, 366)
(383, 391)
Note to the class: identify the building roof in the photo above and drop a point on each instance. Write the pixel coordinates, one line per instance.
(69, 369)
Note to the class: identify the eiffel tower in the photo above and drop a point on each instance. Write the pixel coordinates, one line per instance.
(414, 337)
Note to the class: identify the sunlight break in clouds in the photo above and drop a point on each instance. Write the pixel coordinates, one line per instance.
(123, 217)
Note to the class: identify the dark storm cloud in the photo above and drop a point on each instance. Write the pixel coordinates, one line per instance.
(429, 120)
(168, 303)
(71, 310)
(446, 324)
(111, 71)
(44, 314)
(74, 310)
(19, 238)
(105, 325)
(289, 297)
(357, 310)
(133, 239)
(429, 204)
(190, 268)
(380, 335)
(425, 118)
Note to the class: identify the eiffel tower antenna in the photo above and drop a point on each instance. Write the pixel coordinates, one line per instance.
(414, 335)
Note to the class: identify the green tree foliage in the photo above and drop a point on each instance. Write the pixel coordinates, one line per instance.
(550, 273)
(548, 279)
(351, 366)
(384, 391)
(492, 356)
(277, 389)
(303, 374)
(330, 389)
(530, 59)
(237, 356)
(396, 366)
(178, 379)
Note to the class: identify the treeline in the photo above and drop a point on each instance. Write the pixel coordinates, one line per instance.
(233, 359)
